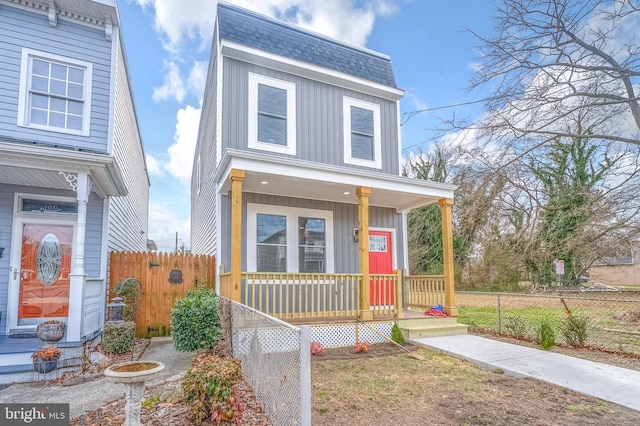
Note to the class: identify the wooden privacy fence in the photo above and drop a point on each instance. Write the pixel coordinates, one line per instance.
(155, 271)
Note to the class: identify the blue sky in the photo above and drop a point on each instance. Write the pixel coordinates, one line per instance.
(167, 45)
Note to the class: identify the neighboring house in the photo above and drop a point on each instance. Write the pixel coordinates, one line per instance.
(73, 180)
(616, 271)
(296, 177)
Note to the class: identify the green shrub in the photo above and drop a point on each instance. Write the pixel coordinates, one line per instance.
(117, 337)
(574, 330)
(516, 327)
(130, 290)
(396, 334)
(546, 335)
(195, 322)
(208, 389)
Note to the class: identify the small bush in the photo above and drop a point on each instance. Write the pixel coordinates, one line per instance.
(195, 322)
(117, 337)
(130, 290)
(363, 346)
(317, 348)
(516, 327)
(208, 388)
(574, 330)
(396, 334)
(546, 335)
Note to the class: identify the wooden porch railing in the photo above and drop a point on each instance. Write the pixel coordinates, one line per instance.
(423, 291)
(383, 294)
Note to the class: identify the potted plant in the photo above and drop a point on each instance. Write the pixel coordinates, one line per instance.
(50, 331)
(46, 360)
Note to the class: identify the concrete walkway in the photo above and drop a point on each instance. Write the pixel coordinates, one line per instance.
(607, 382)
(94, 394)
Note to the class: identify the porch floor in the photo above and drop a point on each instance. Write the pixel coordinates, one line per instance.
(406, 313)
(12, 345)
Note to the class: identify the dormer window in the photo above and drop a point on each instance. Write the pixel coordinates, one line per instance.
(362, 144)
(55, 93)
(272, 118)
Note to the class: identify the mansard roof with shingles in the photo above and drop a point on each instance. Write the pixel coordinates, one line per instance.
(260, 32)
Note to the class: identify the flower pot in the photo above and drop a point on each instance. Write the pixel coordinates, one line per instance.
(43, 366)
(50, 331)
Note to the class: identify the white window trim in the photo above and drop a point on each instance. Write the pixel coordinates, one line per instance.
(290, 88)
(23, 100)
(292, 214)
(347, 103)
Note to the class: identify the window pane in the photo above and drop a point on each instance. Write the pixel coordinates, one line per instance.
(56, 119)
(362, 147)
(272, 100)
(361, 121)
(58, 87)
(38, 116)
(272, 130)
(40, 67)
(272, 229)
(59, 71)
(272, 258)
(311, 241)
(76, 75)
(75, 91)
(39, 101)
(40, 84)
(59, 105)
(311, 259)
(74, 122)
(74, 107)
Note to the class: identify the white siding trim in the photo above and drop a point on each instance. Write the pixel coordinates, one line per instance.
(405, 248)
(104, 251)
(115, 40)
(292, 214)
(347, 103)
(290, 88)
(218, 225)
(23, 99)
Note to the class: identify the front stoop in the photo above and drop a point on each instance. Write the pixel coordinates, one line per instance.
(431, 326)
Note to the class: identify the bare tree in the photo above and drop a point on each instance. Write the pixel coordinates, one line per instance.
(552, 59)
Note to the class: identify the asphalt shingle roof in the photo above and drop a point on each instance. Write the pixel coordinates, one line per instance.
(257, 31)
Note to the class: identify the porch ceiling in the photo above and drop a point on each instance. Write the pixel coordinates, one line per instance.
(302, 179)
(38, 166)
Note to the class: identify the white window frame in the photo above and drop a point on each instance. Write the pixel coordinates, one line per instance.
(292, 214)
(347, 103)
(290, 88)
(25, 86)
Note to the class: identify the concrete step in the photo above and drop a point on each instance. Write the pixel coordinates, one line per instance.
(413, 332)
(426, 321)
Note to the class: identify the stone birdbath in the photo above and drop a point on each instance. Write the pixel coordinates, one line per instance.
(133, 375)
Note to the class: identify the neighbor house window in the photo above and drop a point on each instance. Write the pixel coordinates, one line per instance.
(272, 117)
(289, 239)
(362, 143)
(55, 93)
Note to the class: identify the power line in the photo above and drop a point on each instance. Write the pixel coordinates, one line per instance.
(406, 116)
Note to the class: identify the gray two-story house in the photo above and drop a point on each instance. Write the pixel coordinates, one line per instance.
(73, 181)
(297, 186)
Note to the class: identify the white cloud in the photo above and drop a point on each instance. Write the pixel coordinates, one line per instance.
(173, 85)
(163, 225)
(197, 78)
(181, 152)
(153, 165)
(412, 96)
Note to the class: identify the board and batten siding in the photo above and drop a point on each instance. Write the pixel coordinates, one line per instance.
(203, 202)
(128, 215)
(20, 29)
(93, 234)
(319, 112)
(345, 218)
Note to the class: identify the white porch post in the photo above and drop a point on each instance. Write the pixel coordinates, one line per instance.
(77, 276)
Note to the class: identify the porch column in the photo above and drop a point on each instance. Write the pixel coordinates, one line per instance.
(447, 250)
(82, 186)
(364, 310)
(237, 176)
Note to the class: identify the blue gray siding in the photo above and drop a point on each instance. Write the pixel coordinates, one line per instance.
(319, 127)
(24, 29)
(345, 218)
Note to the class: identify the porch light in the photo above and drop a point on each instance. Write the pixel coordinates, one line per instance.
(116, 310)
(264, 182)
(355, 235)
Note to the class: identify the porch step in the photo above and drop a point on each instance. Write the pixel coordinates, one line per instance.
(430, 328)
(426, 321)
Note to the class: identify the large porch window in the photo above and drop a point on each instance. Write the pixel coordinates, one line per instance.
(288, 239)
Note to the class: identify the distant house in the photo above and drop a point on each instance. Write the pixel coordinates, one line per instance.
(616, 270)
(297, 186)
(73, 181)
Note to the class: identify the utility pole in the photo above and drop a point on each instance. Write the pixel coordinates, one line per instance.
(176, 241)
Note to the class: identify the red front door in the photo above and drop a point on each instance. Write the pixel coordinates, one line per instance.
(380, 262)
(45, 268)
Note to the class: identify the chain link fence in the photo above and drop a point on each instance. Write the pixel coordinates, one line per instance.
(275, 359)
(611, 319)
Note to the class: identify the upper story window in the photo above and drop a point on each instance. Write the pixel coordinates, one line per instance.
(272, 114)
(362, 143)
(55, 93)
